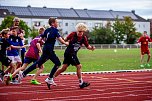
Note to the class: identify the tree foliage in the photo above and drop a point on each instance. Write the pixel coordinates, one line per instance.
(8, 22)
(125, 31)
(101, 35)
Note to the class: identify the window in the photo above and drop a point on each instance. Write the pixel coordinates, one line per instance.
(144, 26)
(37, 23)
(97, 25)
(139, 26)
(60, 24)
(66, 24)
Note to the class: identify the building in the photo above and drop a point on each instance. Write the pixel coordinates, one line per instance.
(68, 18)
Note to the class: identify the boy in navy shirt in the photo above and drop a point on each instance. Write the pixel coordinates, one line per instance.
(50, 35)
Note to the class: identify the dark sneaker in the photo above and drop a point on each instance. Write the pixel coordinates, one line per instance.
(2, 75)
(48, 85)
(84, 84)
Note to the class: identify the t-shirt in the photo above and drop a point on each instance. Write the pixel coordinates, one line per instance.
(33, 51)
(144, 42)
(50, 35)
(15, 41)
(71, 37)
(3, 45)
(76, 42)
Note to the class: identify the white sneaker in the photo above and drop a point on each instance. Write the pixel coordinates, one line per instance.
(50, 81)
(15, 82)
(20, 76)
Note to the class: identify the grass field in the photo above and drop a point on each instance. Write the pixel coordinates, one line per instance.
(103, 60)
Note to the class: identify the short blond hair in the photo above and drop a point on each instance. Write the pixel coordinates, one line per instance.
(4, 31)
(81, 27)
(16, 19)
(41, 28)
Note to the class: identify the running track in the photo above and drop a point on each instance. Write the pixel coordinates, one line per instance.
(122, 86)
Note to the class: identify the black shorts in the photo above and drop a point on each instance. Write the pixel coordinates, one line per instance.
(5, 60)
(71, 59)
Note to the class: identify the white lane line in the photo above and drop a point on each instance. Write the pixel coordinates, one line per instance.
(102, 98)
(92, 95)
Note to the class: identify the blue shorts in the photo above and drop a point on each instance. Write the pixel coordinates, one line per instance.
(29, 60)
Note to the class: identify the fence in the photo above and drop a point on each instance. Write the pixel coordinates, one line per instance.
(108, 46)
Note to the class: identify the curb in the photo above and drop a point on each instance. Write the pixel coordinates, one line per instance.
(97, 72)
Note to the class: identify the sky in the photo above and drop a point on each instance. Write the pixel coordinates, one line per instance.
(142, 8)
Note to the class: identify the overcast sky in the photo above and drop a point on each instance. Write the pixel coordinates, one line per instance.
(142, 7)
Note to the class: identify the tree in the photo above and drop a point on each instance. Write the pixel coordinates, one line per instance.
(129, 30)
(118, 29)
(101, 35)
(8, 22)
(125, 31)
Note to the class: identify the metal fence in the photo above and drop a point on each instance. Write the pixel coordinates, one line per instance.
(108, 46)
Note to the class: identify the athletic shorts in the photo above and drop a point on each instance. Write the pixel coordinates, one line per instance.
(5, 60)
(145, 52)
(71, 59)
(15, 59)
(29, 60)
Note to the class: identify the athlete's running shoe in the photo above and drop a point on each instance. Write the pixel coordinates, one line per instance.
(84, 84)
(147, 65)
(15, 82)
(9, 78)
(142, 66)
(35, 82)
(20, 76)
(2, 75)
(50, 82)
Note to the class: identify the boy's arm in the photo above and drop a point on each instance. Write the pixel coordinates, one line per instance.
(91, 47)
(39, 47)
(62, 41)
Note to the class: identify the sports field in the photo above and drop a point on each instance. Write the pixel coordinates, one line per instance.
(104, 60)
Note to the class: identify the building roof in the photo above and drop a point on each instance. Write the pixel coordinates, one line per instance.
(37, 12)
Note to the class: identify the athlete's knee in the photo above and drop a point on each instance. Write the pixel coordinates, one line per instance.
(64, 67)
(79, 66)
(58, 64)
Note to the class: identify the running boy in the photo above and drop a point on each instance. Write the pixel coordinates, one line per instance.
(76, 40)
(32, 55)
(144, 40)
(4, 45)
(50, 34)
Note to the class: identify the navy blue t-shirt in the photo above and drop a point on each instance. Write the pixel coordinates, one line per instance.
(50, 34)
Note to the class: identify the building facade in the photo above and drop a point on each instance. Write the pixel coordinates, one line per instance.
(68, 18)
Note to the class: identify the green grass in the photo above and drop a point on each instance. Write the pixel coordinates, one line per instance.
(103, 60)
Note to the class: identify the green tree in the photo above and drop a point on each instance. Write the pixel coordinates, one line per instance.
(118, 29)
(101, 35)
(129, 30)
(125, 31)
(8, 22)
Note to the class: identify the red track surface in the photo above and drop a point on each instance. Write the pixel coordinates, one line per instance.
(126, 86)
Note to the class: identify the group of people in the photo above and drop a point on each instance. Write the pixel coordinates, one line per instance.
(47, 38)
(13, 40)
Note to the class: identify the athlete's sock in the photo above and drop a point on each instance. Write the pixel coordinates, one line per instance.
(80, 81)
